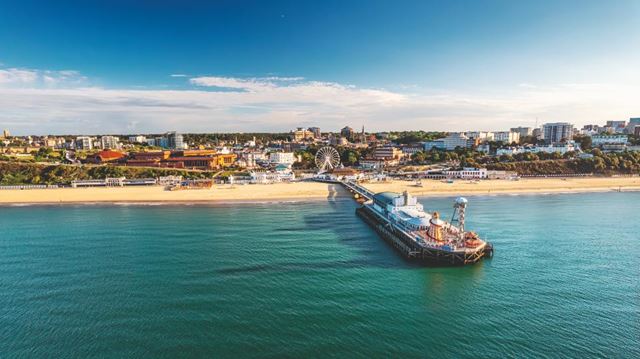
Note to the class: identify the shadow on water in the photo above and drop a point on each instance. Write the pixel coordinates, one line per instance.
(337, 216)
(351, 231)
(303, 266)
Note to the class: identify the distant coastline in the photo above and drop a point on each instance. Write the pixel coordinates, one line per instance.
(305, 191)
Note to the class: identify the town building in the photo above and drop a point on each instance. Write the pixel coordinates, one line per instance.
(437, 144)
(561, 148)
(599, 140)
(137, 139)
(347, 132)
(162, 142)
(302, 134)
(370, 164)
(338, 141)
(252, 159)
(455, 140)
(316, 132)
(538, 134)
(482, 136)
(506, 136)
(175, 141)
(84, 143)
(49, 142)
(590, 130)
(286, 158)
(201, 159)
(5, 134)
(467, 173)
(192, 159)
(634, 123)
(345, 174)
(523, 131)
(282, 173)
(114, 182)
(109, 142)
(54, 142)
(148, 159)
(361, 137)
(615, 147)
(484, 148)
(412, 149)
(616, 126)
(293, 146)
(169, 180)
(493, 174)
(557, 132)
(387, 153)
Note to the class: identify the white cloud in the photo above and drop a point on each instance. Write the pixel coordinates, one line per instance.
(251, 85)
(219, 104)
(15, 77)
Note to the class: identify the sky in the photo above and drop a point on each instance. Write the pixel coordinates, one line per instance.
(124, 67)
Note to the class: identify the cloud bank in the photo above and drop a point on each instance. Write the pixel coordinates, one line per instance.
(64, 102)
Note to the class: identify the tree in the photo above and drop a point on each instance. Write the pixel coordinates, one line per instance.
(584, 141)
(419, 157)
(528, 140)
(349, 157)
(598, 164)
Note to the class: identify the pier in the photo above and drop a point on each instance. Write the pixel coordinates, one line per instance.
(358, 189)
(414, 246)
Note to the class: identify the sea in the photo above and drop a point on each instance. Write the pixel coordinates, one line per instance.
(309, 279)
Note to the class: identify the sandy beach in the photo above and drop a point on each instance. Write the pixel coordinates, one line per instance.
(314, 190)
(219, 193)
(530, 185)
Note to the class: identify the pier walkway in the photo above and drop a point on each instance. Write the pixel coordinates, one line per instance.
(358, 189)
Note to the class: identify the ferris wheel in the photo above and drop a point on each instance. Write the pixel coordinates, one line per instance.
(327, 158)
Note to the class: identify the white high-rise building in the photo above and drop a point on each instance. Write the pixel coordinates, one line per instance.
(506, 136)
(455, 140)
(175, 141)
(557, 132)
(286, 158)
(523, 131)
(109, 142)
(137, 139)
(483, 136)
(84, 143)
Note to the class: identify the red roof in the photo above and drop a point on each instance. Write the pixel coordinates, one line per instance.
(108, 155)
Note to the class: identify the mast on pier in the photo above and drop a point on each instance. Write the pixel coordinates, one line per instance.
(459, 208)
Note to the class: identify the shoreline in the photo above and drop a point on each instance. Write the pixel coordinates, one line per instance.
(308, 191)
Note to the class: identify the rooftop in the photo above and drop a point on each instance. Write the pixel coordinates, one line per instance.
(386, 197)
(110, 155)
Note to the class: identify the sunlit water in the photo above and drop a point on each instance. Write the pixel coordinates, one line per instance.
(312, 280)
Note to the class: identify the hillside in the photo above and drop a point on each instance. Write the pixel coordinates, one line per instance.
(13, 173)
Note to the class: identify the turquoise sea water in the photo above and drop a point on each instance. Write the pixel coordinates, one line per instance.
(312, 280)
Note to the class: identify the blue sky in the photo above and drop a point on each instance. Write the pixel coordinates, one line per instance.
(107, 66)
